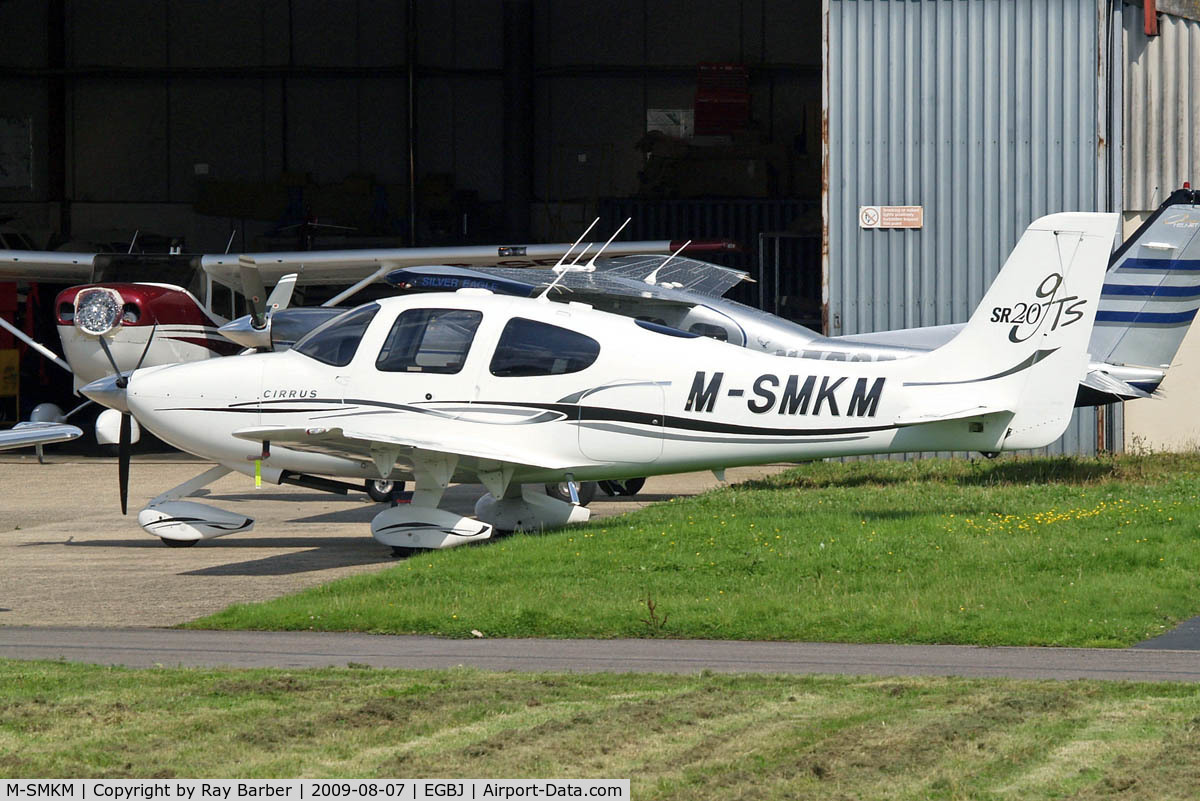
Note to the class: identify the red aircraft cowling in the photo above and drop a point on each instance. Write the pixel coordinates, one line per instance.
(169, 308)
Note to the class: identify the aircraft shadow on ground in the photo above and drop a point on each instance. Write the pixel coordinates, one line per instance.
(362, 514)
(135, 542)
(307, 555)
(286, 497)
(311, 555)
(639, 498)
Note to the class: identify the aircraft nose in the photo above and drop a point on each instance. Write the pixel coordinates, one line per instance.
(108, 392)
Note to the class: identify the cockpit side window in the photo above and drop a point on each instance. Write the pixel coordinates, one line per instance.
(529, 348)
(335, 342)
(429, 341)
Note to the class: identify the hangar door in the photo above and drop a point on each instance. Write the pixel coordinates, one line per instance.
(985, 115)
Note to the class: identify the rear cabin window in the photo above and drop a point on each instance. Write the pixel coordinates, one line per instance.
(335, 342)
(529, 348)
(429, 341)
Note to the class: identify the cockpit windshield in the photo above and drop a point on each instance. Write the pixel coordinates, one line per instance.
(335, 342)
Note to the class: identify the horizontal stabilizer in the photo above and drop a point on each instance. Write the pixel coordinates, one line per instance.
(941, 417)
(1103, 382)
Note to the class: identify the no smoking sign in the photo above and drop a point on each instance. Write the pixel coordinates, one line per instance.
(891, 216)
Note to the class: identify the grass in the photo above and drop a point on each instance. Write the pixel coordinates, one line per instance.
(675, 737)
(1100, 552)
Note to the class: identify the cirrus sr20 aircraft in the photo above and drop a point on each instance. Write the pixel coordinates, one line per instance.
(514, 392)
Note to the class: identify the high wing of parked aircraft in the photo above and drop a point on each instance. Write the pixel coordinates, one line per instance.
(331, 267)
(514, 392)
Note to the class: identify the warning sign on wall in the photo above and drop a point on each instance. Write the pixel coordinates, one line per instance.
(891, 216)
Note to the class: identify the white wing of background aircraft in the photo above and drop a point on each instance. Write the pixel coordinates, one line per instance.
(24, 435)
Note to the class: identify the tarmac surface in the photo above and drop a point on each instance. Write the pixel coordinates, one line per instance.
(69, 558)
(173, 647)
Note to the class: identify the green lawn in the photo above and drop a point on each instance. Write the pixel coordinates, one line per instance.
(1010, 552)
(676, 737)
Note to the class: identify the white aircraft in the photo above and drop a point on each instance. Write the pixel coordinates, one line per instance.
(136, 309)
(516, 392)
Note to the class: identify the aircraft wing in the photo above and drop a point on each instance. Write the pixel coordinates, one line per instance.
(46, 265)
(635, 278)
(347, 266)
(627, 277)
(24, 435)
(360, 443)
(320, 266)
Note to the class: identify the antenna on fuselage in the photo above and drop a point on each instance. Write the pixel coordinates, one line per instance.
(559, 265)
(563, 269)
(582, 253)
(652, 278)
(229, 244)
(591, 265)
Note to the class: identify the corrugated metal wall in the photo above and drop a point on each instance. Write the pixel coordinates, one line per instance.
(1162, 110)
(986, 113)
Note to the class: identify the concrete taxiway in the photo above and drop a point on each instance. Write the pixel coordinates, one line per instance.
(172, 647)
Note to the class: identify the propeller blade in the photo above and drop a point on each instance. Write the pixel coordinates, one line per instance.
(281, 295)
(146, 349)
(123, 460)
(108, 353)
(254, 290)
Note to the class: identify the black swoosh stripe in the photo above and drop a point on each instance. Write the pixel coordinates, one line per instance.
(432, 527)
(172, 520)
(1033, 359)
(594, 413)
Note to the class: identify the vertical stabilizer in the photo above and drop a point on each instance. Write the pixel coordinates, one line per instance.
(1152, 289)
(1025, 347)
